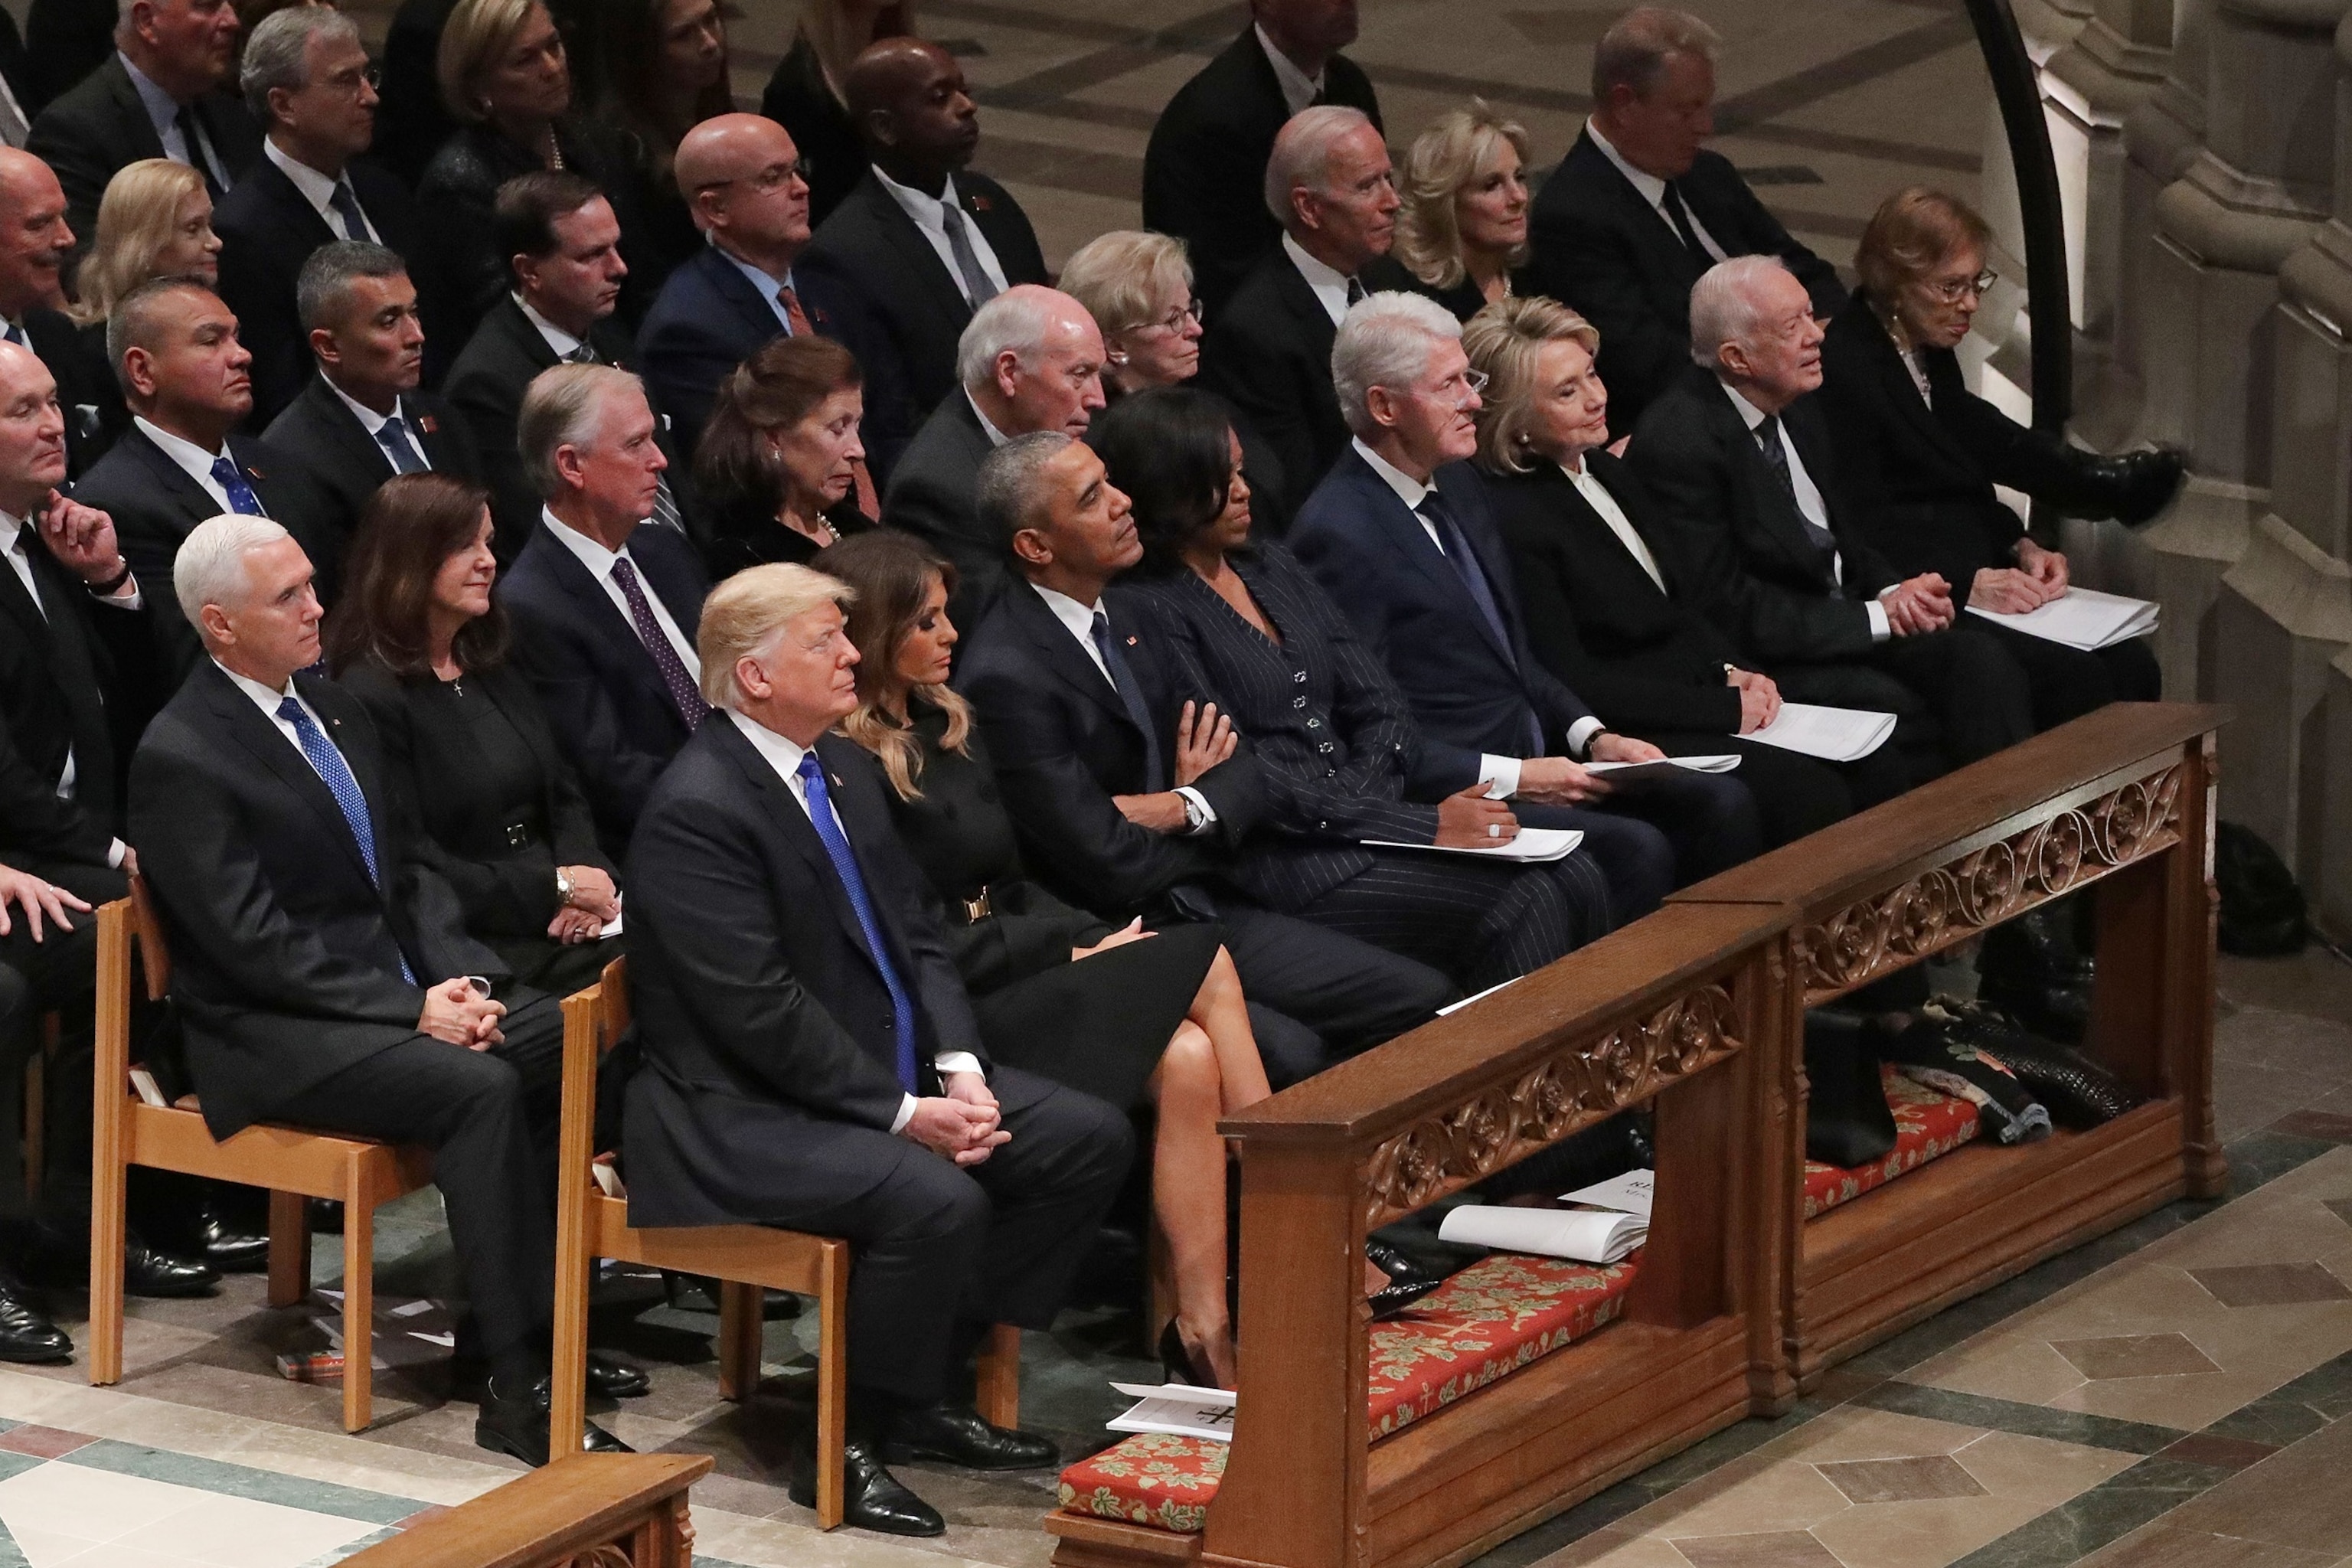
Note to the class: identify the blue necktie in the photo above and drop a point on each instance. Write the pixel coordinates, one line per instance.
(845, 865)
(392, 437)
(1457, 549)
(1130, 696)
(346, 203)
(336, 774)
(231, 479)
(15, 334)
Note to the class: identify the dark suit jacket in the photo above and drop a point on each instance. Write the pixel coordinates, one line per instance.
(87, 390)
(767, 1028)
(284, 956)
(603, 693)
(1601, 248)
(1469, 693)
(486, 387)
(65, 40)
(1268, 354)
(1064, 745)
(319, 437)
(930, 496)
(90, 132)
(1760, 576)
(1920, 479)
(870, 241)
(155, 506)
(709, 318)
(1646, 659)
(1204, 167)
(267, 230)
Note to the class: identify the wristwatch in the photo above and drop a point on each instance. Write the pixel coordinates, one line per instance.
(1196, 815)
(563, 886)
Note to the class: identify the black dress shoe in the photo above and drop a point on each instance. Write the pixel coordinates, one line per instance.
(1399, 1266)
(613, 1379)
(148, 1272)
(872, 1498)
(226, 1247)
(2131, 486)
(1390, 1300)
(956, 1434)
(26, 1336)
(514, 1422)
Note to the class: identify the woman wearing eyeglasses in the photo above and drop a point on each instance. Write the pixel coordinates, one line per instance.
(1919, 453)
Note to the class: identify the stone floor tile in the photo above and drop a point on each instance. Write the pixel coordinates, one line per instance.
(2037, 1471)
(2027, 1420)
(2340, 1207)
(46, 1549)
(2322, 1124)
(2165, 1545)
(2188, 1403)
(2134, 1355)
(1928, 1533)
(1857, 1431)
(2298, 1497)
(1761, 1549)
(2271, 1284)
(237, 1532)
(42, 1442)
(2225, 1453)
(1901, 1480)
(1612, 1548)
(2027, 1370)
(69, 1499)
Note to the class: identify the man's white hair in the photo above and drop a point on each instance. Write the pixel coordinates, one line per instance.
(1727, 305)
(1384, 341)
(1017, 322)
(210, 568)
(1302, 153)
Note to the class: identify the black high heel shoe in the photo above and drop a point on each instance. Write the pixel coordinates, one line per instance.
(1176, 1363)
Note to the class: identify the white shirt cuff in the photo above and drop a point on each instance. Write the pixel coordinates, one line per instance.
(1208, 812)
(1580, 733)
(114, 854)
(950, 1063)
(1879, 628)
(1499, 774)
(123, 598)
(906, 1114)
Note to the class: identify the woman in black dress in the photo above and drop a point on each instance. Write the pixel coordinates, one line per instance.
(781, 471)
(804, 96)
(661, 69)
(418, 638)
(1145, 1019)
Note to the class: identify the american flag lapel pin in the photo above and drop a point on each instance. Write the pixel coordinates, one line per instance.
(1131, 640)
(979, 203)
(426, 423)
(253, 473)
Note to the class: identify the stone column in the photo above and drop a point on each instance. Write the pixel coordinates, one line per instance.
(2331, 897)
(2113, 64)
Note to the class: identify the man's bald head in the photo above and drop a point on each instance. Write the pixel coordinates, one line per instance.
(34, 238)
(913, 109)
(32, 431)
(740, 176)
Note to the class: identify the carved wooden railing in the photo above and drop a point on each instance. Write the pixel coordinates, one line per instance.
(587, 1510)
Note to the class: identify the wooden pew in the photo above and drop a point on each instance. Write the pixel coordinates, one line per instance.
(585, 1510)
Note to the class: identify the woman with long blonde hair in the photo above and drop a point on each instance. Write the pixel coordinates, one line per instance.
(1464, 225)
(805, 95)
(154, 221)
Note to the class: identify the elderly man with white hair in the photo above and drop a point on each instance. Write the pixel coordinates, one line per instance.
(1268, 350)
(1399, 533)
(812, 1061)
(1030, 360)
(321, 971)
(1741, 460)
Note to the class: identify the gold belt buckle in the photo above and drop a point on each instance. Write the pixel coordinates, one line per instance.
(977, 909)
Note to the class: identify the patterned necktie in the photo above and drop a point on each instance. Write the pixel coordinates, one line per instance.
(853, 882)
(674, 674)
(1679, 215)
(346, 203)
(393, 438)
(977, 287)
(186, 122)
(1464, 560)
(231, 479)
(1771, 441)
(796, 320)
(581, 355)
(1130, 696)
(336, 774)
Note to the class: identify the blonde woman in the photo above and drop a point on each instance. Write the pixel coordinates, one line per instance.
(805, 98)
(1463, 226)
(1138, 287)
(154, 221)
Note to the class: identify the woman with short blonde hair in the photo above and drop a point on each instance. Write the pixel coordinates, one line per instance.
(1506, 343)
(1138, 285)
(1463, 226)
(154, 221)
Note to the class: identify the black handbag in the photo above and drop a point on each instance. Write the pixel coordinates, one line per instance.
(2262, 911)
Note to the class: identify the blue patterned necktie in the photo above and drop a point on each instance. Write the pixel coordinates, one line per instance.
(392, 437)
(346, 203)
(231, 479)
(845, 865)
(336, 774)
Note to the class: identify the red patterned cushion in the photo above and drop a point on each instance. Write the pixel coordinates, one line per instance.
(1488, 1321)
(1926, 1125)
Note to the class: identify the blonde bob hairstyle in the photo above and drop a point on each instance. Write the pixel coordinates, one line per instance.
(476, 34)
(1912, 231)
(135, 221)
(744, 613)
(1121, 277)
(1504, 342)
(1443, 161)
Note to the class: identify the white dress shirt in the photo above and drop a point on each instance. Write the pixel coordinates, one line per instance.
(987, 426)
(268, 700)
(193, 459)
(1331, 285)
(13, 546)
(562, 341)
(784, 755)
(600, 563)
(163, 114)
(930, 215)
(1299, 89)
(1809, 502)
(1596, 495)
(370, 420)
(1499, 774)
(319, 190)
(1654, 191)
(1078, 620)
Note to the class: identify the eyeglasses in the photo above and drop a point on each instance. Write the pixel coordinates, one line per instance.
(768, 180)
(1951, 290)
(1175, 320)
(350, 82)
(1474, 382)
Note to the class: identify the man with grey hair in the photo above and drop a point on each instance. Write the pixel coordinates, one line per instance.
(321, 969)
(604, 603)
(1638, 209)
(1268, 353)
(306, 77)
(1030, 360)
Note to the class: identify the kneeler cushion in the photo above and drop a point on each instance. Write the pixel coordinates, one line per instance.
(1486, 1321)
(1926, 1125)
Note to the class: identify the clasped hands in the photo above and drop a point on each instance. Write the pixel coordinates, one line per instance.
(1918, 605)
(960, 1124)
(2039, 576)
(1203, 740)
(593, 902)
(457, 1012)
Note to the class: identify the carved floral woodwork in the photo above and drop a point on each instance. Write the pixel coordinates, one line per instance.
(1985, 887)
(1572, 1089)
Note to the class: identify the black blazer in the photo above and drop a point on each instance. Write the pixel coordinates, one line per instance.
(1469, 693)
(1204, 167)
(1921, 478)
(98, 126)
(709, 318)
(411, 121)
(86, 390)
(603, 693)
(267, 230)
(767, 1028)
(930, 496)
(1600, 247)
(1064, 745)
(1762, 576)
(284, 956)
(322, 439)
(155, 506)
(1268, 354)
(870, 241)
(1646, 658)
(743, 532)
(486, 386)
(833, 160)
(65, 40)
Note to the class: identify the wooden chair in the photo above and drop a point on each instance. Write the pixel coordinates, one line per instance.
(293, 1165)
(748, 1259)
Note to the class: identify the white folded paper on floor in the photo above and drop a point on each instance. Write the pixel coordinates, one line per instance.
(1665, 767)
(1589, 1236)
(1832, 734)
(1177, 1408)
(2082, 619)
(1533, 844)
(1628, 1194)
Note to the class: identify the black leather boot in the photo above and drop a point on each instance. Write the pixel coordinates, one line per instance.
(2130, 486)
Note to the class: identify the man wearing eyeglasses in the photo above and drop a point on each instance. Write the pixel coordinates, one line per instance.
(306, 77)
(744, 183)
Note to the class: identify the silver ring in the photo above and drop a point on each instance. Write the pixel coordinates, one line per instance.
(1493, 830)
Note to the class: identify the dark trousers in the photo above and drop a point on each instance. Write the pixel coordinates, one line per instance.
(1318, 995)
(490, 1117)
(59, 973)
(1958, 695)
(1795, 794)
(1482, 921)
(1650, 839)
(2066, 682)
(941, 1249)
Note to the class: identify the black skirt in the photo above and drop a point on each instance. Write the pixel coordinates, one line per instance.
(1100, 1024)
